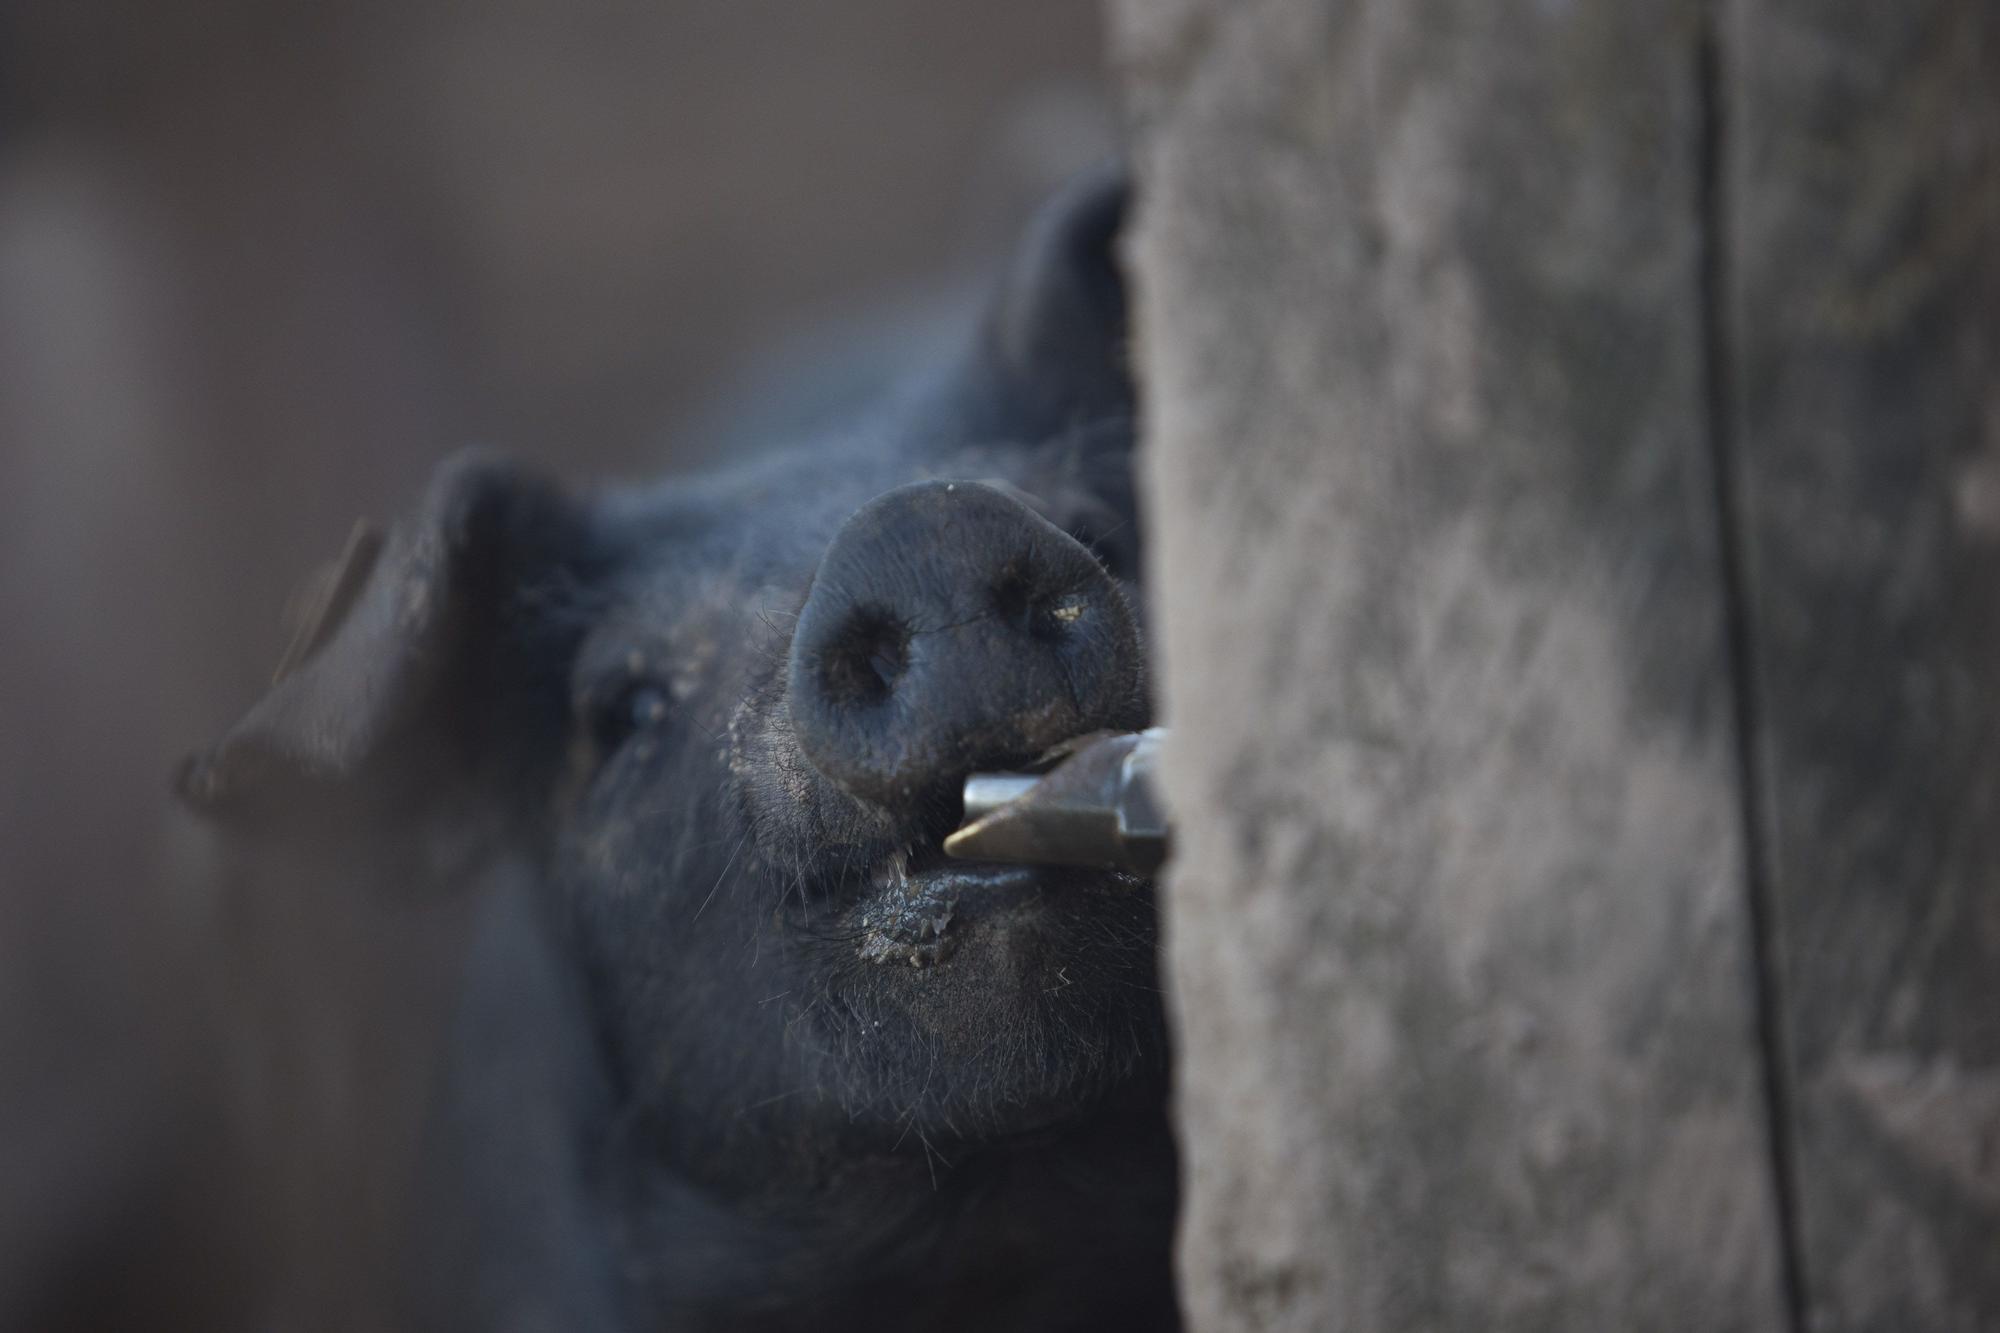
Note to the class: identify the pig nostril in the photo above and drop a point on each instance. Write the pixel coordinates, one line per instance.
(887, 661)
(867, 658)
(1049, 618)
(1014, 598)
(1066, 610)
(1019, 602)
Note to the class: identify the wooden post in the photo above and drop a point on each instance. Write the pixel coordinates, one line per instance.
(1861, 192)
(1461, 927)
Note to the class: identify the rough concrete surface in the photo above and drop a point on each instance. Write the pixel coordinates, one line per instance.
(1460, 924)
(1863, 185)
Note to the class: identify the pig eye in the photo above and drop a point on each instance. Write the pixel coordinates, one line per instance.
(625, 711)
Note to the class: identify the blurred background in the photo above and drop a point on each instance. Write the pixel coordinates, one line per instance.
(262, 265)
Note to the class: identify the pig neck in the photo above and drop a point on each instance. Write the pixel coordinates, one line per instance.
(573, 1204)
(1070, 1228)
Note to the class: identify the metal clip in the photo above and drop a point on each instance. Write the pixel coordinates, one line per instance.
(1099, 806)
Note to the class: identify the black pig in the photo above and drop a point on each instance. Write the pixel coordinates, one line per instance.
(738, 1048)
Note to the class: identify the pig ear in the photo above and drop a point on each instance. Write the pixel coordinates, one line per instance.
(1055, 339)
(405, 641)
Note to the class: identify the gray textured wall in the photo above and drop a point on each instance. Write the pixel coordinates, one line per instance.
(1572, 435)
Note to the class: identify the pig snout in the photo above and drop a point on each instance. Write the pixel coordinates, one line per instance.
(950, 627)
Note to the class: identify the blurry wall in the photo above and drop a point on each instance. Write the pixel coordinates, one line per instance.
(261, 265)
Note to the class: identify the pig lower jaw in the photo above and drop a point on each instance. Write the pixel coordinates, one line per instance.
(908, 916)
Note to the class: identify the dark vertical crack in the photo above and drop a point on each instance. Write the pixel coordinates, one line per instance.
(1719, 385)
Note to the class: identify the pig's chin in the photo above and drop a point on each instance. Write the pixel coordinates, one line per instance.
(920, 907)
(986, 1001)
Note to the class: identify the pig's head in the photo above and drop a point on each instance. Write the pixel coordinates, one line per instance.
(726, 722)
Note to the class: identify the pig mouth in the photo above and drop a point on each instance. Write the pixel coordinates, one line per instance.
(920, 902)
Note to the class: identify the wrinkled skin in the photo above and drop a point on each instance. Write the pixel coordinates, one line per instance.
(739, 1048)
